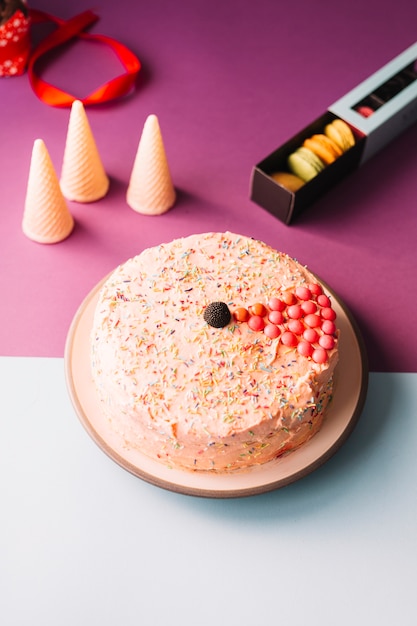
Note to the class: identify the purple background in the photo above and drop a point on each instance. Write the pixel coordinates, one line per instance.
(229, 81)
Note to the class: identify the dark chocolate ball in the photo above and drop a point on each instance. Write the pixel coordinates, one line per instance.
(217, 314)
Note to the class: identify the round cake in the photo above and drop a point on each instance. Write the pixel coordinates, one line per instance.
(213, 352)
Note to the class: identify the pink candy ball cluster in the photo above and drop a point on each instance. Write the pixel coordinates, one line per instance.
(303, 320)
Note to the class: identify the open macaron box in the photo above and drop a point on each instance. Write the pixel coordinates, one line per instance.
(388, 100)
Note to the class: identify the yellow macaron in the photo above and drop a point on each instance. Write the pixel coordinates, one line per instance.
(341, 134)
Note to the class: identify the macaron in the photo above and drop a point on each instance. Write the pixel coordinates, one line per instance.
(341, 134)
(305, 164)
(365, 111)
(287, 180)
(325, 148)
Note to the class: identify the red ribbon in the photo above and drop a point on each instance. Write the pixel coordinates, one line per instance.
(65, 31)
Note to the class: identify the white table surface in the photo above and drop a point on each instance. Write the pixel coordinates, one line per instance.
(82, 541)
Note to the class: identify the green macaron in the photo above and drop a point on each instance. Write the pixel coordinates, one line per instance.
(305, 164)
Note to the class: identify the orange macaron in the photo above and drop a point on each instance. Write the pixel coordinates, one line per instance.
(287, 180)
(325, 148)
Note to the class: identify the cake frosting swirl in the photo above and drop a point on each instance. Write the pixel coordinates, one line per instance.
(201, 397)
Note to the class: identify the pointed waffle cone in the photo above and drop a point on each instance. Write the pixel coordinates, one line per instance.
(46, 218)
(83, 178)
(150, 188)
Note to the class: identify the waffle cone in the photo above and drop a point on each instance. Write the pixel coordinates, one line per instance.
(150, 188)
(46, 218)
(83, 178)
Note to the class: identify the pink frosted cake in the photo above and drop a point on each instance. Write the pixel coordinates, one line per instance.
(213, 352)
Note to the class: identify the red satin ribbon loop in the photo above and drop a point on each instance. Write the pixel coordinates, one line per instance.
(65, 31)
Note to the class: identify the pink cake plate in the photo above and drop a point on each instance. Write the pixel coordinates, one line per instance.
(351, 382)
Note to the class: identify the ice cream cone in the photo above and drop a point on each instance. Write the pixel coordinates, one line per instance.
(46, 217)
(83, 178)
(150, 188)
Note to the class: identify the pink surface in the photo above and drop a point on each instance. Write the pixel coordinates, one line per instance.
(229, 82)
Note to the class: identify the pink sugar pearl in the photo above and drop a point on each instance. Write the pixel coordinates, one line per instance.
(323, 300)
(275, 304)
(289, 339)
(276, 317)
(295, 311)
(305, 348)
(315, 289)
(328, 327)
(256, 322)
(328, 313)
(311, 335)
(319, 355)
(327, 342)
(308, 307)
(312, 320)
(303, 293)
(272, 331)
(296, 326)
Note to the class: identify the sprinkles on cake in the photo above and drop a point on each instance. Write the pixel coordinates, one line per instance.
(192, 394)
